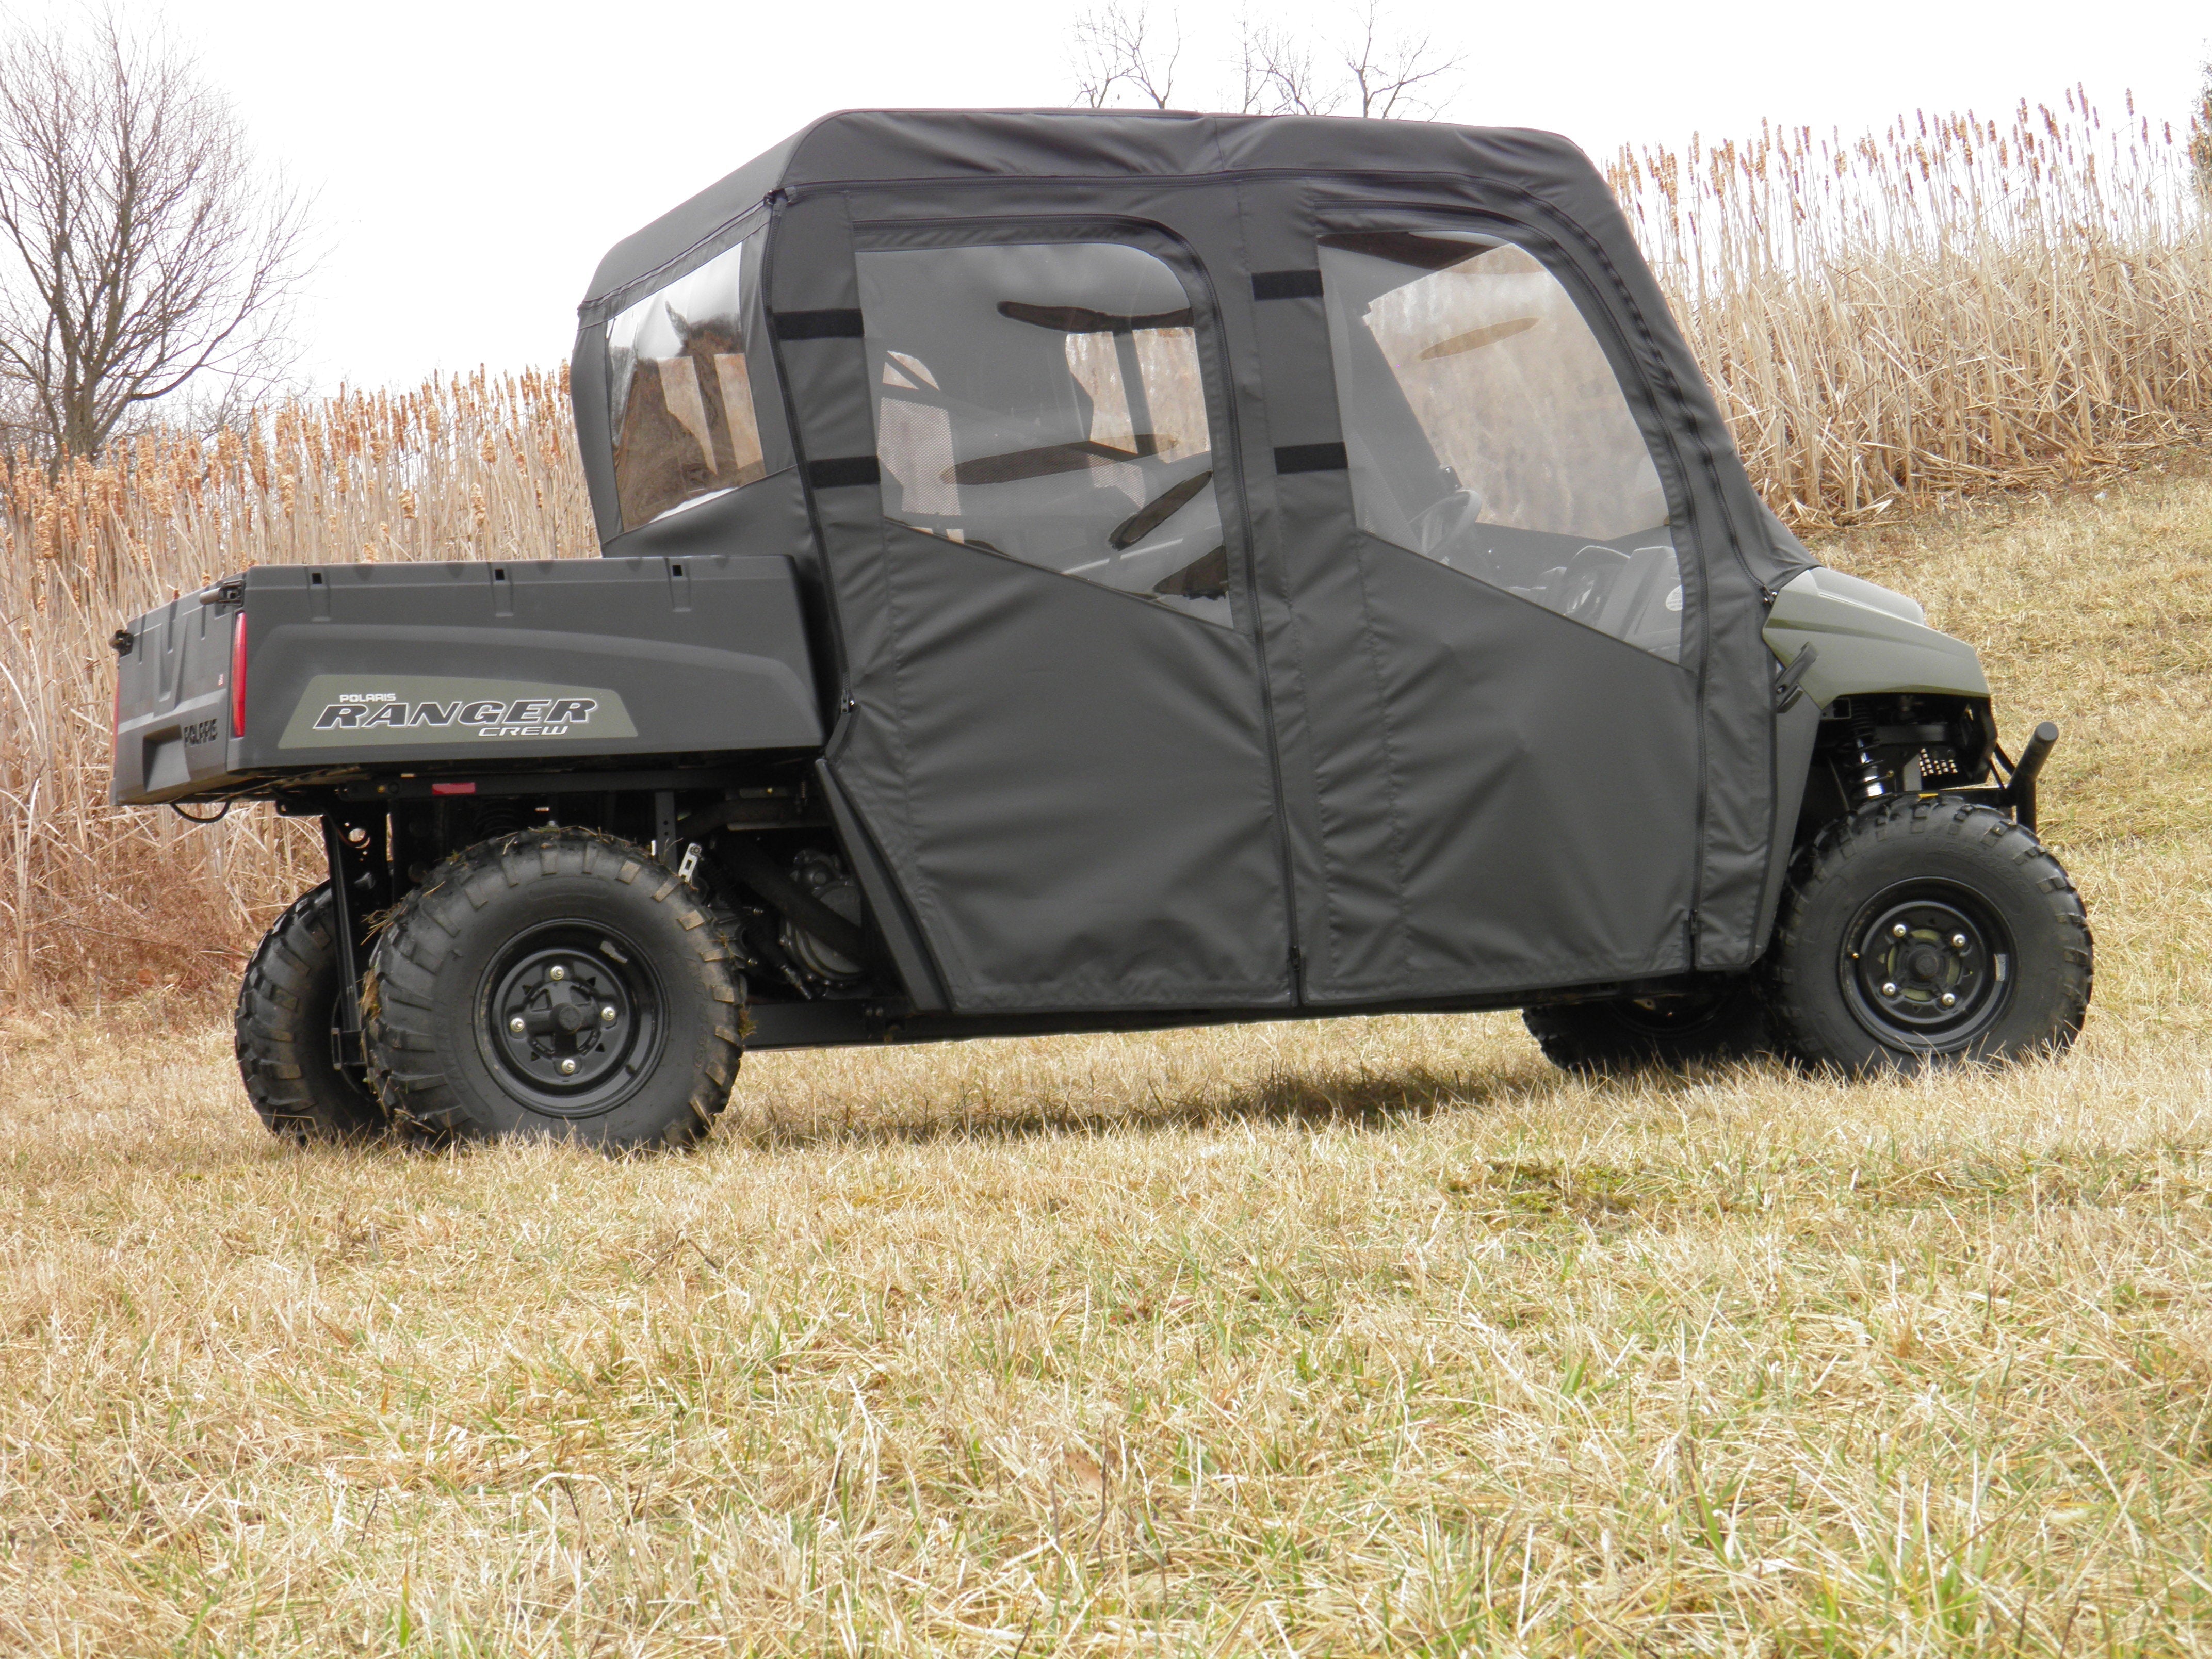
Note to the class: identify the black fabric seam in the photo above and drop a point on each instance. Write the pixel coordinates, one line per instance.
(598, 308)
(1294, 973)
(842, 664)
(925, 883)
(923, 897)
(1294, 631)
(1151, 602)
(1175, 181)
(1391, 789)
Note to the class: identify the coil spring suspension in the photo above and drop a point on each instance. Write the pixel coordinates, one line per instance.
(1871, 782)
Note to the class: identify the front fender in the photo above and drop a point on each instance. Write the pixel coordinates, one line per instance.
(1869, 640)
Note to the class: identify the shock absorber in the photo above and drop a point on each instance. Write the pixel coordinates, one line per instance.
(1871, 784)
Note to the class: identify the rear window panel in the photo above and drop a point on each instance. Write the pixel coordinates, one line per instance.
(680, 391)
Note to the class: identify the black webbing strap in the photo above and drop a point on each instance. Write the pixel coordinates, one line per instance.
(1312, 458)
(844, 472)
(1286, 284)
(817, 325)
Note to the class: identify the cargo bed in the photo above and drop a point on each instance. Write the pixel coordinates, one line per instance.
(293, 674)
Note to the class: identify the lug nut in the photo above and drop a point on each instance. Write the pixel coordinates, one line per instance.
(1898, 931)
(1889, 987)
(1949, 999)
(1958, 941)
(557, 972)
(607, 1014)
(515, 1025)
(568, 1068)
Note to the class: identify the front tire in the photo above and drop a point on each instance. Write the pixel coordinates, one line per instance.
(1920, 932)
(555, 983)
(287, 1006)
(1621, 1036)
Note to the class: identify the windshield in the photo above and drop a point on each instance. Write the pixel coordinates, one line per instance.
(679, 392)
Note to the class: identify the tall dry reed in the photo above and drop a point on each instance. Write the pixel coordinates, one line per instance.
(1953, 305)
(98, 901)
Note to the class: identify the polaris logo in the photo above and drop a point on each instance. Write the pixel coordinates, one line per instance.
(523, 717)
(436, 711)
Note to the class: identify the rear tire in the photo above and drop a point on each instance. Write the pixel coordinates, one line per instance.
(555, 983)
(287, 1005)
(1928, 932)
(1625, 1034)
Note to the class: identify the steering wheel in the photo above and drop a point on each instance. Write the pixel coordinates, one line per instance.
(1589, 577)
(1449, 528)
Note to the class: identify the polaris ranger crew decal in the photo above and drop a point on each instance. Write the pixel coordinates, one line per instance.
(351, 710)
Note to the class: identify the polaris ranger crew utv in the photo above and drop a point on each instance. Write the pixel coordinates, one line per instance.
(1074, 571)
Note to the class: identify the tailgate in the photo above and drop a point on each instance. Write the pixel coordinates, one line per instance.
(463, 667)
(172, 691)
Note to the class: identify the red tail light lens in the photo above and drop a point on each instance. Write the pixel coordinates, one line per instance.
(238, 677)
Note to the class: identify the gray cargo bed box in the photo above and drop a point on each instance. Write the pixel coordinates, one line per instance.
(461, 667)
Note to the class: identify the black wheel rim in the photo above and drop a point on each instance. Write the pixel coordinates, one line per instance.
(1927, 967)
(570, 1018)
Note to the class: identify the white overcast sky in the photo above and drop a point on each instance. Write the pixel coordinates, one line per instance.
(471, 160)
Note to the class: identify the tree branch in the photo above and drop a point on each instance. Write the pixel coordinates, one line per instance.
(141, 247)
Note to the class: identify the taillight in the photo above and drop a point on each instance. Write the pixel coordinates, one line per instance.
(237, 676)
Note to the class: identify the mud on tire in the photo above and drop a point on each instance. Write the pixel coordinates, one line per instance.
(282, 1031)
(557, 982)
(1621, 1036)
(1928, 932)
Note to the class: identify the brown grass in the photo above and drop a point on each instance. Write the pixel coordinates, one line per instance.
(1361, 1336)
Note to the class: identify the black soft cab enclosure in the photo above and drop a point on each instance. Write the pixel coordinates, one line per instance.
(1235, 568)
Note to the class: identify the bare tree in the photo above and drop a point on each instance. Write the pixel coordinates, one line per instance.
(140, 246)
(1370, 72)
(1277, 73)
(1394, 77)
(1115, 46)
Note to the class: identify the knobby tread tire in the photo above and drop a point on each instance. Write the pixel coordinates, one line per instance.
(1980, 848)
(1607, 1039)
(281, 1032)
(425, 1085)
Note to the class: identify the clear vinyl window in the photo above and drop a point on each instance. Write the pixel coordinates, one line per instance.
(1485, 429)
(1044, 401)
(679, 392)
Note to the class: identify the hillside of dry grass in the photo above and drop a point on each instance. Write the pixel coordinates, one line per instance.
(1368, 1335)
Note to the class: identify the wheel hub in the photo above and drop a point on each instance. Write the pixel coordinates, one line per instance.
(1924, 967)
(569, 1019)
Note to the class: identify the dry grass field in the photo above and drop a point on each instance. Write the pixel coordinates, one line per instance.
(1367, 1336)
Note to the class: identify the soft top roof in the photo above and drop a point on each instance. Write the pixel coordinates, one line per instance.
(854, 146)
